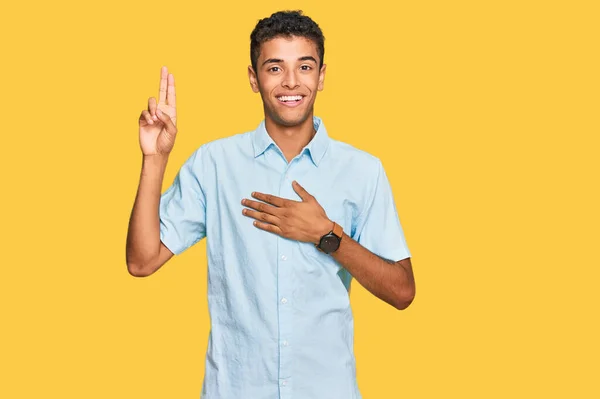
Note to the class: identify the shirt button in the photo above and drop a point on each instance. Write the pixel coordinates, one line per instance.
(285, 343)
(284, 382)
(283, 257)
(283, 300)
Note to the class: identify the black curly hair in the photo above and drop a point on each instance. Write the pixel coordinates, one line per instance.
(286, 24)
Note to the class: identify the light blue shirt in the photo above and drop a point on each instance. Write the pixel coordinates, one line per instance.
(281, 322)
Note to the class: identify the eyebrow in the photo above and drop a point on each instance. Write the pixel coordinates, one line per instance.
(276, 60)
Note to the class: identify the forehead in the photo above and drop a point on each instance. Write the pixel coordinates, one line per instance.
(288, 48)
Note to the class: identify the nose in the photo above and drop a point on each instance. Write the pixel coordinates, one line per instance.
(290, 80)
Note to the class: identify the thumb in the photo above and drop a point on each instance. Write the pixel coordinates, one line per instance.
(166, 119)
(301, 191)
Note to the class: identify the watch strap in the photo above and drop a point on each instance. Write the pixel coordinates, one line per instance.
(337, 230)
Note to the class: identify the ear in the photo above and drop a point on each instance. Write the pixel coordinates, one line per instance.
(322, 77)
(253, 79)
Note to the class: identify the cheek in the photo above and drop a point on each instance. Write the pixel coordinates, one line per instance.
(311, 82)
(266, 84)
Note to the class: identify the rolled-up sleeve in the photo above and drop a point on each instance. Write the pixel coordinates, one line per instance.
(378, 228)
(182, 208)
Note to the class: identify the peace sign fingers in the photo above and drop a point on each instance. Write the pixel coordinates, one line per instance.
(166, 90)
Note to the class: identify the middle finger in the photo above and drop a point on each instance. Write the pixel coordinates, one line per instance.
(261, 207)
(262, 216)
(162, 89)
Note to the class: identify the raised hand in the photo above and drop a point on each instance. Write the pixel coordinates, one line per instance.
(158, 123)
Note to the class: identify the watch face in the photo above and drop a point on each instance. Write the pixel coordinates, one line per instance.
(329, 243)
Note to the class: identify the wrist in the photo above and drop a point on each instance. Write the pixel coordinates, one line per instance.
(330, 241)
(154, 164)
(325, 227)
(155, 160)
(160, 158)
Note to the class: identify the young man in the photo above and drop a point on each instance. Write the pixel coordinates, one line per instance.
(290, 216)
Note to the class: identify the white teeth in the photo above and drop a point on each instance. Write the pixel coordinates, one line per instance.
(289, 98)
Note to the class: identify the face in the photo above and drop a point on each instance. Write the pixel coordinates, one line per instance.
(288, 77)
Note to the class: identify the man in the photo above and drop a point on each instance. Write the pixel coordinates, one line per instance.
(290, 216)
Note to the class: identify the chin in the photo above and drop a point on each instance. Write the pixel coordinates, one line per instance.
(289, 121)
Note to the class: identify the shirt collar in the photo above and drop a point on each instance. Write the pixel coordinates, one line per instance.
(316, 147)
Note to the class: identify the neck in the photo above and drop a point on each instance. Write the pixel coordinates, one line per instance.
(291, 139)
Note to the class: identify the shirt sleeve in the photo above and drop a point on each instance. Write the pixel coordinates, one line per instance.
(378, 228)
(182, 209)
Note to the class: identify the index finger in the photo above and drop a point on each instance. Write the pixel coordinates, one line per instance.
(271, 199)
(162, 89)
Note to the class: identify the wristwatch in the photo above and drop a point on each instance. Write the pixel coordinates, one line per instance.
(330, 242)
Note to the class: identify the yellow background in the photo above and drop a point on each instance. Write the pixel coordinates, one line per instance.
(485, 115)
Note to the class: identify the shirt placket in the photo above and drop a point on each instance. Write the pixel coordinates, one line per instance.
(285, 306)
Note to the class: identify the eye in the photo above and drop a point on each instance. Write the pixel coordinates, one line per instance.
(274, 69)
(306, 67)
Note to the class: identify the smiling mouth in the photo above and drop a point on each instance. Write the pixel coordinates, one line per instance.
(290, 101)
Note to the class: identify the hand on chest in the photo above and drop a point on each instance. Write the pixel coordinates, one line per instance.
(277, 197)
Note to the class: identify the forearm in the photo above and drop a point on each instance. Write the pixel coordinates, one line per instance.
(143, 237)
(392, 282)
